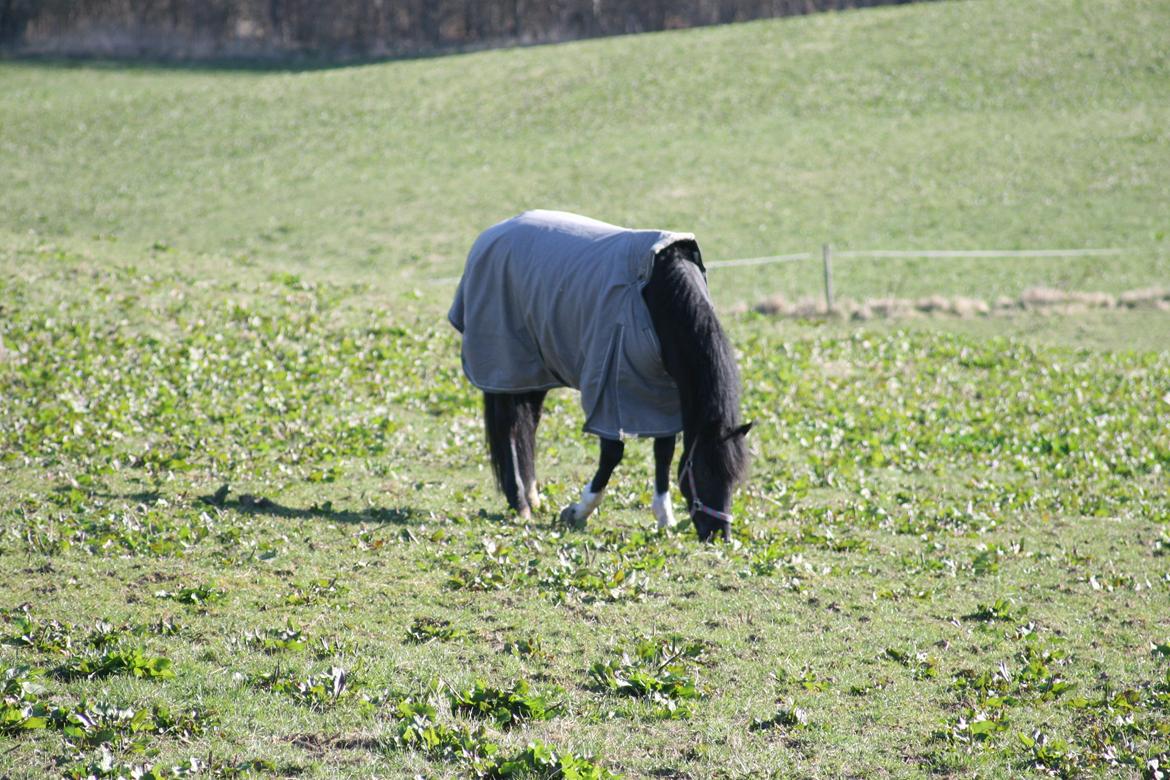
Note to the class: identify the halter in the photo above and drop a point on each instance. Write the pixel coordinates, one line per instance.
(697, 506)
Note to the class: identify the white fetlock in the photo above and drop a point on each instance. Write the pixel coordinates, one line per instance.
(663, 511)
(533, 497)
(578, 513)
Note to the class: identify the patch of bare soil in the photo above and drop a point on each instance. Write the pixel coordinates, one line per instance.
(1044, 300)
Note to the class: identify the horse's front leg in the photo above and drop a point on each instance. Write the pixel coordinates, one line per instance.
(611, 455)
(663, 456)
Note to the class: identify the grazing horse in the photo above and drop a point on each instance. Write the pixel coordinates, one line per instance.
(550, 299)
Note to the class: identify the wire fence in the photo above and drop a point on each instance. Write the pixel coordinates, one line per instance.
(829, 253)
(1047, 298)
(920, 253)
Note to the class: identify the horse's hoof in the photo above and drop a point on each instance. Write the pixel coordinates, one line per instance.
(569, 518)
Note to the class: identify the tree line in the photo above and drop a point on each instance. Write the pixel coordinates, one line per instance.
(208, 29)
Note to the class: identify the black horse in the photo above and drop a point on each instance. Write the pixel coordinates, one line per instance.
(701, 382)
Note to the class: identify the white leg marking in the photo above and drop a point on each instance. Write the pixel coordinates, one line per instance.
(663, 511)
(589, 501)
(533, 496)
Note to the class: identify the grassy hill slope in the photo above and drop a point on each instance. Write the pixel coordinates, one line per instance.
(954, 125)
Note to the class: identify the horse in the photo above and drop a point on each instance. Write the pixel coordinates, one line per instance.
(550, 299)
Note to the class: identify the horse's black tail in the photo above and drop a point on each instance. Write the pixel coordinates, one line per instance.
(510, 421)
(499, 417)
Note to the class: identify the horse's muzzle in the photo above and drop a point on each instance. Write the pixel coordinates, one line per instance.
(710, 528)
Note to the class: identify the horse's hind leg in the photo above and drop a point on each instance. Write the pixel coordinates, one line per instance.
(528, 408)
(503, 417)
(663, 455)
(611, 455)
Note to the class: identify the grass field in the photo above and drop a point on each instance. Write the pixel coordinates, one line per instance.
(246, 525)
(998, 125)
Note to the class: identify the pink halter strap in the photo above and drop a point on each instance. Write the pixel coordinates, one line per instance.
(697, 505)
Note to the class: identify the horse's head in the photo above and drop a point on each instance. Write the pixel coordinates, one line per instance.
(708, 473)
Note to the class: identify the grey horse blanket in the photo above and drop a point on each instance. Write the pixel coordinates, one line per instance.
(551, 299)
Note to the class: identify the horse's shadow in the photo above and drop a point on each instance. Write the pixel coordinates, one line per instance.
(248, 504)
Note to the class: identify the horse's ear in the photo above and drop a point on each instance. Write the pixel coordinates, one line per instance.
(741, 430)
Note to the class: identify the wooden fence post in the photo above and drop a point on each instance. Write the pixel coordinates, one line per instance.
(827, 258)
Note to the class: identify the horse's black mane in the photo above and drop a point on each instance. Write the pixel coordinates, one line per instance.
(698, 356)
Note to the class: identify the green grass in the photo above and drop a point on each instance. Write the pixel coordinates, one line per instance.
(245, 514)
(273, 494)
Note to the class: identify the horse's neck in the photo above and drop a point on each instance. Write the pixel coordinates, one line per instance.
(695, 376)
(695, 352)
(699, 413)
